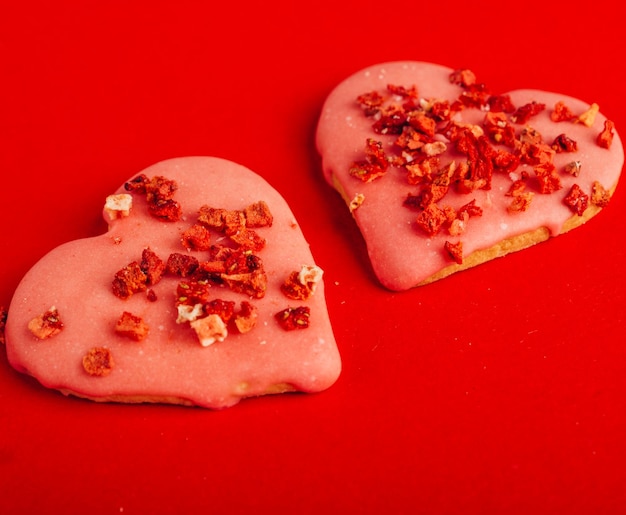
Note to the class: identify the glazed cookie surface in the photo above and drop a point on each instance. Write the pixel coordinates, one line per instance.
(203, 291)
(441, 174)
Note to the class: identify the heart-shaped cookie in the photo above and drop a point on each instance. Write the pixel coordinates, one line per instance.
(202, 292)
(441, 174)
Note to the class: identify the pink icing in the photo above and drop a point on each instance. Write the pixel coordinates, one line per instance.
(402, 256)
(170, 363)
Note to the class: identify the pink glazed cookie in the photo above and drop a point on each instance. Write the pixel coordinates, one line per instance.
(203, 292)
(440, 174)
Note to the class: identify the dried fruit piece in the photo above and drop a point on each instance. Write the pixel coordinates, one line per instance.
(188, 312)
(521, 198)
(181, 265)
(131, 326)
(210, 329)
(525, 112)
(248, 239)
(212, 218)
(561, 113)
(46, 325)
(573, 168)
(521, 202)
(246, 318)
(238, 224)
(375, 164)
(225, 309)
(118, 206)
(455, 251)
(356, 201)
(300, 285)
(431, 219)
(600, 196)
(370, 102)
(498, 128)
(152, 266)
(159, 193)
(563, 143)
(605, 138)
(577, 200)
(253, 284)
(98, 362)
(294, 318)
(463, 77)
(589, 116)
(548, 178)
(193, 292)
(258, 214)
(197, 237)
(129, 280)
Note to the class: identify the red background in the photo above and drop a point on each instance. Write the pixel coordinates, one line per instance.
(498, 390)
